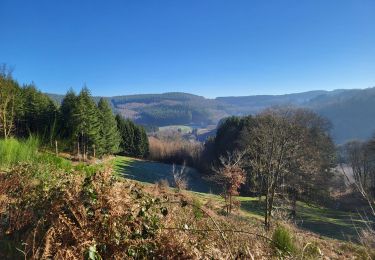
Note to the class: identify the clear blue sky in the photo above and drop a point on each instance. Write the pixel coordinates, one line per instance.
(206, 47)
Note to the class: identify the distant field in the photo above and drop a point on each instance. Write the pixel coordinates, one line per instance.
(326, 222)
(183, 128)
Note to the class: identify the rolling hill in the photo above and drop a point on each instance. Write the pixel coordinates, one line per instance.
(352, 112)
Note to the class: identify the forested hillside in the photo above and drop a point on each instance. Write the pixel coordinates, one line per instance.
(350, 111)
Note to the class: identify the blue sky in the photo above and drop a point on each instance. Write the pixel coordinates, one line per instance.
(206, 47)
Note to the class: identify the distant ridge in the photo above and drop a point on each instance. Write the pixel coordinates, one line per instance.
(351, 111)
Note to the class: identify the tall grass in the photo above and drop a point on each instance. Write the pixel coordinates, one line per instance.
(13, 151)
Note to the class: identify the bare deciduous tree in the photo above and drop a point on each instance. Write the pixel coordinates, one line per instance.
(8, 100)
(284, 154)
(359, 159)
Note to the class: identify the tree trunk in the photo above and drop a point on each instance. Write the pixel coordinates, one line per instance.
(293, 212)
(230, 203)
(56, 149)
(266, 219)
(78, 151)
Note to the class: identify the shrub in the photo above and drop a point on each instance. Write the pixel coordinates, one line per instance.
(179, 178)
(311, 251)
(283, 241)
(162, 184)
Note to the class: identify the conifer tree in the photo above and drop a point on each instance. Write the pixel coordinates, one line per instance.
(109, 134)
(88, 126)
(68, 126)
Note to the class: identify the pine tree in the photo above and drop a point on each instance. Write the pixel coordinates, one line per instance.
(88, 125)
(67, 125)
(109, 134)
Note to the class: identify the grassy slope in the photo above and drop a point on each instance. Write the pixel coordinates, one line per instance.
(324, 221)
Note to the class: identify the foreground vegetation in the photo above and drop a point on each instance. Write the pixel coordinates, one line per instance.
(49, 211)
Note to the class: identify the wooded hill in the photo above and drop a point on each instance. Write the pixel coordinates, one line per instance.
(350, 111)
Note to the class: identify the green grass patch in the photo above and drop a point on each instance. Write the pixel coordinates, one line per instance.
(283, 241)
(14, 151)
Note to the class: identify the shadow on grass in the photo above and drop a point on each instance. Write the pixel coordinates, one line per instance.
(254, 206)
(329, 222)
(152, 172)
(323, 221)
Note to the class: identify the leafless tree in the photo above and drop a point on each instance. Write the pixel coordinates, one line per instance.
(8, 100)
(358, 157)
(283, 154)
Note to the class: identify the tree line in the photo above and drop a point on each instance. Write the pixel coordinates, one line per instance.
(79, 125)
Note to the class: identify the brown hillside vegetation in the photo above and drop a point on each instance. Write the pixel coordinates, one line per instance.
(98, 216)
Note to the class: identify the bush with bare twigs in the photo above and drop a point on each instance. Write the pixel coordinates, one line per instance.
(179, 178)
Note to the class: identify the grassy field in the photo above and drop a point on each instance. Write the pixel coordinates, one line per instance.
(326, 222)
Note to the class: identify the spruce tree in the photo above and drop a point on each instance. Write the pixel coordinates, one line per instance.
(88, 125)
(68, 116)
(109, 134)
